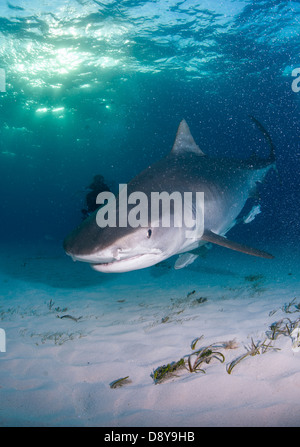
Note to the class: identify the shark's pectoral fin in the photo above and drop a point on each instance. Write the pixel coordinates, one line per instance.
(209, 236)
(184, 260)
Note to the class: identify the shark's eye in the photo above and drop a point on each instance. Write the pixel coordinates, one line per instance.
(149, 233)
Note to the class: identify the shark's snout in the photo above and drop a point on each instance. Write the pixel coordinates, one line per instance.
(84, 241)
(110, 256)
(73, 246)
(78, 252)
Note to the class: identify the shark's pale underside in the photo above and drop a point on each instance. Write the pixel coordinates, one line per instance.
(226, 184)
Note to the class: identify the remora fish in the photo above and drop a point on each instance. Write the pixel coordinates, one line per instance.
(226, 184)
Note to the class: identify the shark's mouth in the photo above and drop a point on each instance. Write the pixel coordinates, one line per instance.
(127, 264)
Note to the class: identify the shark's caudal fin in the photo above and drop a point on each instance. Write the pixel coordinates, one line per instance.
(209, 236)
(184, 141)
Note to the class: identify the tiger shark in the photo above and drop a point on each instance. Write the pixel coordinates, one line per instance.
(226, 185)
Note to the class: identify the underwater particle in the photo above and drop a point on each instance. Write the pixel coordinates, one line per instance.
(120, 382)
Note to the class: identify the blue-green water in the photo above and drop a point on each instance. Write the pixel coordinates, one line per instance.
(100, 87)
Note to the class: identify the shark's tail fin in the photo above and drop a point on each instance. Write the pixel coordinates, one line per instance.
(271, 158)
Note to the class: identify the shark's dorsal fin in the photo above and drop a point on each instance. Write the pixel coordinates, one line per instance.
(214, 238)
(184, 141)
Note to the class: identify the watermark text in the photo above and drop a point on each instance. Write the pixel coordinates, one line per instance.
(2, 81)
(2, 340)
(296, 82)
(155, 209)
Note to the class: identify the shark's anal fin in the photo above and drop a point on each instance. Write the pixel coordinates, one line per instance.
(214, 238)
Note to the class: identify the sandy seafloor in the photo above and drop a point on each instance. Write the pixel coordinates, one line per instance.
(57, 372)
